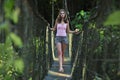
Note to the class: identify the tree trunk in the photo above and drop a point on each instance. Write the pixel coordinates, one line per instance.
(119, 59)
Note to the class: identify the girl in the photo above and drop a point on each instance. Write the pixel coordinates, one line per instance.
(62, 27)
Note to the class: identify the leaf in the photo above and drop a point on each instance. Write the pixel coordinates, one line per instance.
(102, 32)
(15, 15)
(101, 35)
(8, 6)
(19, 65)
(113, 19)
(16, 39)
(82, 12)
(30, 78)
(8, 77)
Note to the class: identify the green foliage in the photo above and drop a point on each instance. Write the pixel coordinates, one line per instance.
(19, 65)
(30, 78)
(16, 39)
(10, 63)
(113, 19)
(109, 43)
(101, 34)
(15, 15)
(80, 18)
(6, 59)
(101, 44)
(8, 8)
(11, 13)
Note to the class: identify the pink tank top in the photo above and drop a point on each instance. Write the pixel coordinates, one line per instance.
(61, 30)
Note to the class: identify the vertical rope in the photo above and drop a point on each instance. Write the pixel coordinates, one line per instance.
(68, 15)
(52, 34)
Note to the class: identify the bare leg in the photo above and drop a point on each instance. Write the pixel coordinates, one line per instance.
(59, 50)
(63, 50)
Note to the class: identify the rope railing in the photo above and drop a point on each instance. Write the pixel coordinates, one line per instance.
(36, 52)
(94, 66)
(78, 52)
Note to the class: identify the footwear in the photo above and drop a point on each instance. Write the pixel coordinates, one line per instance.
(61, 70)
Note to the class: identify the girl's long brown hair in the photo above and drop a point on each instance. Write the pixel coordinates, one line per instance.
(59, 19)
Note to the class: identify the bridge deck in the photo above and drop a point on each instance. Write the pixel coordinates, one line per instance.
(54, 74)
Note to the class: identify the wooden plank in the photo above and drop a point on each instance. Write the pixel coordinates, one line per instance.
(54, 74)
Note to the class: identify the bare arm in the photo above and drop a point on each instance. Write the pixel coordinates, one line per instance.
(69, 31)
(55, 26)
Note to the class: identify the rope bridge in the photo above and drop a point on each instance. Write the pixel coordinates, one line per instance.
(81, 60)
(53, 73)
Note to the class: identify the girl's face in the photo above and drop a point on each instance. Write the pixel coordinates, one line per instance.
(62, 14)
